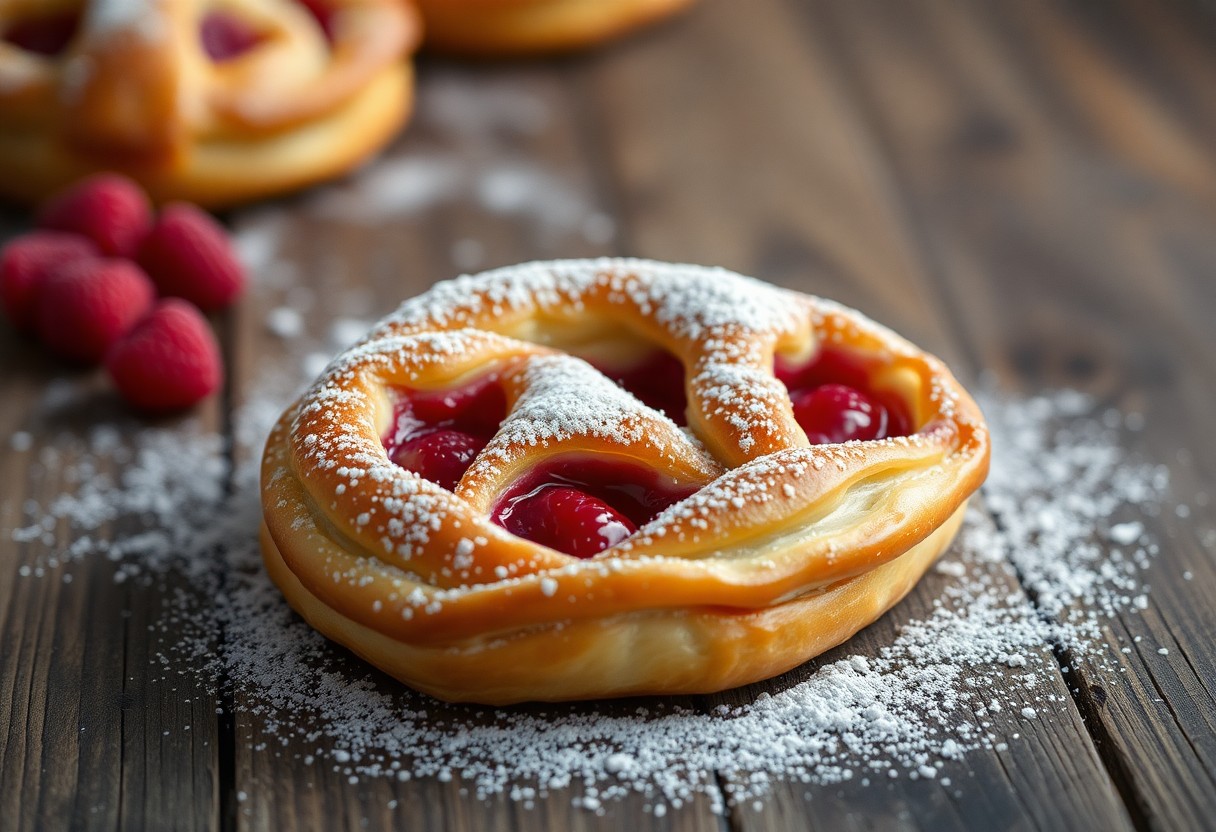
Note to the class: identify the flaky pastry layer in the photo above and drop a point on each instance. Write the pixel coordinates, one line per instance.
(784, 549)
(656, 652)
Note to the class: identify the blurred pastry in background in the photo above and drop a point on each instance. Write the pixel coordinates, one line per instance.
(216, 102)
(503, 28)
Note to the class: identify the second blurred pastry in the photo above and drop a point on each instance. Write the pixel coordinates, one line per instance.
(211, 102)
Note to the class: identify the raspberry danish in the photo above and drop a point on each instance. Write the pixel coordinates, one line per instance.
(212, 101)
(600, 478)
(529, 27)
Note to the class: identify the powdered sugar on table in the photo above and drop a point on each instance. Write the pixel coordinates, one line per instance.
(1067, 502)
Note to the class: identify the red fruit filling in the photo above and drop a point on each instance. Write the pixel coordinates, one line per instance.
(324, 14)
(441, 456)
(226, 36)
(46, 35)
(583, 506)
(833, 401)
(437, 434)
(836, 413)
(564, 518)
(657, 381)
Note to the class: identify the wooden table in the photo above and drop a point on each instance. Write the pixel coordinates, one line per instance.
(1026, 189)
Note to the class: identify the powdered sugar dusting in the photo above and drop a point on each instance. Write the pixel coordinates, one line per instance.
(566, 398)
(1070, 522)
(141, 18)
(690, 301)
(1071, 510)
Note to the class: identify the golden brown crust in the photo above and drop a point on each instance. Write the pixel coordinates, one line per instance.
(137, 94)
(505, 28)
(666, 652)
(819, 540)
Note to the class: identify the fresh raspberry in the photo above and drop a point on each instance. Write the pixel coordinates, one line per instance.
(441, 456)
(188, 255)
(24, 265)
(86, 305)
(170, 361)
(324, 12)
(109, 209)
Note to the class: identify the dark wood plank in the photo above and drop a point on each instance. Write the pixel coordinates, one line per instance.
(1067, 208)
(96, 734)
(784, 182)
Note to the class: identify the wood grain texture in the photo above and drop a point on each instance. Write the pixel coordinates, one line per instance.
(1067, 218)
(1026, 189)
(96, 733)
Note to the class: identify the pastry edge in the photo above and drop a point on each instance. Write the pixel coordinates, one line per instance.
(236, 169)
(664, 651)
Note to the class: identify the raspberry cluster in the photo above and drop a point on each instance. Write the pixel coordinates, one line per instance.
(104, 279)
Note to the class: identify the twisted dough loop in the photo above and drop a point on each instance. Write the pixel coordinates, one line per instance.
(134, 91)
(784, 550)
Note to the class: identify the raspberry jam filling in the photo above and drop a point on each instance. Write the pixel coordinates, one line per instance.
(583, 506)
(324, 15)
(833, 401)
(437, 434)
(657, 381)
(45, 35)
(226, 36)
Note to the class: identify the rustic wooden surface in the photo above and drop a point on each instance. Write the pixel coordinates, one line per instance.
(1027, 189)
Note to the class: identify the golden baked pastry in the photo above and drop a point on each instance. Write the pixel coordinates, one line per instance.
(527, 27)
(596, 478)
(213, 102)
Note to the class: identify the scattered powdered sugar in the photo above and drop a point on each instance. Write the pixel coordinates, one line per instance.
(166, 487)
(400, 187)
(285, 322)
(480, 114)
(1067, 503)
(1064, 509)
(456, 157)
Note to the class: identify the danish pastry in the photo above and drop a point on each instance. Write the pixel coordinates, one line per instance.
(597, 478)
(211, 101)
(527, 27)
